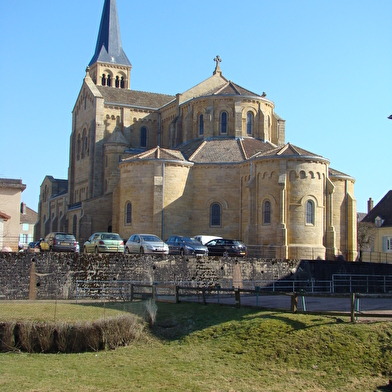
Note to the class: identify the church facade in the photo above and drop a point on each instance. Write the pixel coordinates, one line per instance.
(212, 160)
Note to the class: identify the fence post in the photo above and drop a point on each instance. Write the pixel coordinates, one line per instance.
(294, 302)
(131, 298)
(203, 290)
(176, 289)
(352, 298)
(237, 297)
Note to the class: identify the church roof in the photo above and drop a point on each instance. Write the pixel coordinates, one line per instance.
(134, 98)
(116, 138)
(229, 150)
(231, 88)
(218, 150)
(157, 153)
(337, 173)
(109, 48)
(288, 150)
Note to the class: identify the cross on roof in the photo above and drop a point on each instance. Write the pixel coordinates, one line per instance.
(217, 59)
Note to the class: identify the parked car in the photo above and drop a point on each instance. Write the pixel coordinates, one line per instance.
(180, 245)
(205, 238)
(59, 242)
(34, 246)
(146, 243)
(221, 246)
(103, 242)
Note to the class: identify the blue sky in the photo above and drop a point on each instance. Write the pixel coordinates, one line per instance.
(327, 65)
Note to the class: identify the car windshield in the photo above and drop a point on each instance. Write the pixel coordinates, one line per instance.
(238, 243)
(64, 237)
(191, 241)
(150, 238)
(111, 237)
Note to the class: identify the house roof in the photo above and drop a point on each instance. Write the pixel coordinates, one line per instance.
(383, 210)
(109, 47)
(4, 216)
(134, 98)
(30, 216)
(12, 183)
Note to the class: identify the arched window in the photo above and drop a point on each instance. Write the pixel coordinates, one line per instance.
(223, 125)
(215, 215)
(109, 81)
(201, 125)
(117, 82)
(267, 212)
(122, 83)
(103, 81)
(84, 143)
(309, 212)
(143, 137)
(128, 214)
(78, 143)
(249, 123)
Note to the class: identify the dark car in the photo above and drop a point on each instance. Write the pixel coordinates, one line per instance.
(180, 245)
(222, 246)
(60, 242)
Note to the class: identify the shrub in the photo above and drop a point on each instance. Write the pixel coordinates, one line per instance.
(70, 338)
(7, 340)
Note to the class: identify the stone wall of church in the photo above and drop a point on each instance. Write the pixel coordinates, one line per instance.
(177, 184)
(344, 222)
(144, 118)
(136, 186)
(220, 184)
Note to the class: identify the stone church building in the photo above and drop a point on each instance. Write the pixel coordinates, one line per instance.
(212, 160)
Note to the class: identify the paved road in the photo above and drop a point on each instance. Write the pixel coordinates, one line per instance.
(368, 307)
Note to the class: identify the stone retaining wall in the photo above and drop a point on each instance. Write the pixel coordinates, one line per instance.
(54, 275)
(51, 275)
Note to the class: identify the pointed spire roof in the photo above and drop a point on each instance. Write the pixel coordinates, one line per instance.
(109, 48)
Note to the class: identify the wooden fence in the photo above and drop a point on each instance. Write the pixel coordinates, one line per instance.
(354, 305)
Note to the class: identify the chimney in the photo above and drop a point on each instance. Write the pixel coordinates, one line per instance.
(370, 204)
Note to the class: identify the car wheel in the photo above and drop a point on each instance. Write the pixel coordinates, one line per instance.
(96, 250)
(141, 250)
(181, 252)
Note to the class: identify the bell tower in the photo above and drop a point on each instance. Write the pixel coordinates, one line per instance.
(110, 66)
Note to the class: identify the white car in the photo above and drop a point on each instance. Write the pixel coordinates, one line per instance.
(206, 238)
(146, 243)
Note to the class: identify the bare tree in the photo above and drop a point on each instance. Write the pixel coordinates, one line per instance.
(366, 235)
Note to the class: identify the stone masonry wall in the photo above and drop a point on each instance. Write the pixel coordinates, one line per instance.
(56, 273)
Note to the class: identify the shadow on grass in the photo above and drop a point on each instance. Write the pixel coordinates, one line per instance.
(175, 321)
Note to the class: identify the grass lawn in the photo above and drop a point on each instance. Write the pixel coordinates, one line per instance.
(193, 347)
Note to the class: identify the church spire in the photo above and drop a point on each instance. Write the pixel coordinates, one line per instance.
(109, 48)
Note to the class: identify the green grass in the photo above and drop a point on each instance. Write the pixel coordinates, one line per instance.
(208, 348)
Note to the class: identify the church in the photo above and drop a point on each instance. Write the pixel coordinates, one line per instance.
(211, 160)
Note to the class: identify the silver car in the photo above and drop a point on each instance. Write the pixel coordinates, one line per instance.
(146, 243)
(104, 243)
